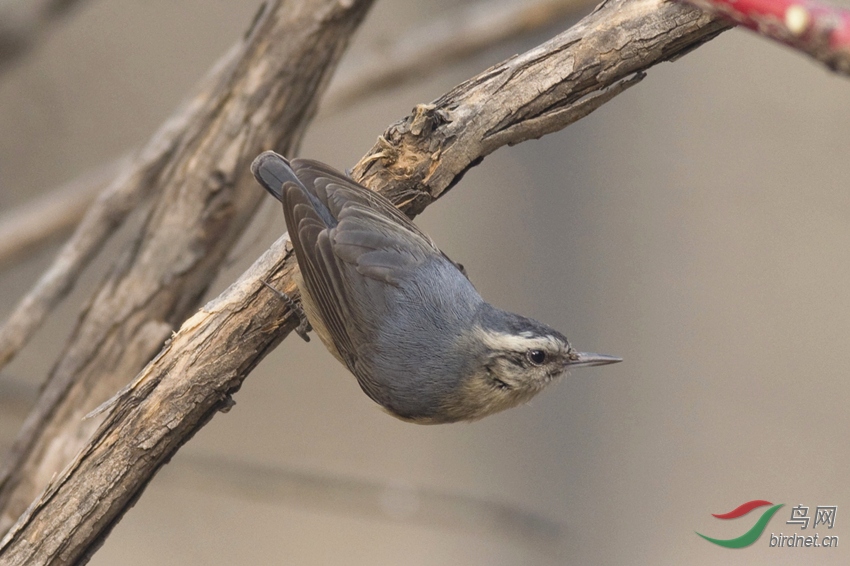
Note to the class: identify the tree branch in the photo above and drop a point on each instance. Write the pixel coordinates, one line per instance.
(416, 54)
(205, 198)
(52, 214)
(137, 177)
(428, 48)
(414, 163)
(364, 498)
(528, 96)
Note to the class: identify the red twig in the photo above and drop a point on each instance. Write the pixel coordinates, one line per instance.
(820, 30)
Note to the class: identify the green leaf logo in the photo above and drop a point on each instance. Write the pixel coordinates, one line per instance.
(754, 533)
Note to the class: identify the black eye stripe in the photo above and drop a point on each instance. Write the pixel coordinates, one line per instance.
(517, 360)
(535, 357)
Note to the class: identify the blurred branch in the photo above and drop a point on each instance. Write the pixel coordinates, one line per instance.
(416, 161)
(263, 97)
(22, 21)
(135, 177)
(16, 396)
(416, 54)
(817, 29)
(361, 498)
(49, 216)
(431, 47)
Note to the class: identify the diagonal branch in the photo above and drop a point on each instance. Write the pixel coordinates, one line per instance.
(432, 47)
(51, 215)
(416, 161)
(445, 40)
(420, 157)
(264, 97)
(136, 177)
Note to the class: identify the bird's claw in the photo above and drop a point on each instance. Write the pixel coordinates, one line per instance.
(304, 325)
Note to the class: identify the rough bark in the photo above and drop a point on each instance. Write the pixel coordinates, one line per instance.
(414, 163)
(528, 96)
(428, 48)
(264, 99)
(138, 177)
(423, 51)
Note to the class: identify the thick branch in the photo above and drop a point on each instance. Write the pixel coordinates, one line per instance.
(528, 96)
(420, 52)
(263, 99)
(137, 176)
(417, 160)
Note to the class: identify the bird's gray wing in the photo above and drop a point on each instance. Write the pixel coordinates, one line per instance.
(319, 270)
(371, 235)
(338, 191)
(347, 190)
(353, 246)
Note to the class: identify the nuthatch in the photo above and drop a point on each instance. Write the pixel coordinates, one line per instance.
(397, 312)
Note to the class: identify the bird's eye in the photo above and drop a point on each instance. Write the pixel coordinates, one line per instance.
(536, 357)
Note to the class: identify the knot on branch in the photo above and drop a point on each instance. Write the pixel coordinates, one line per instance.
(424, 119)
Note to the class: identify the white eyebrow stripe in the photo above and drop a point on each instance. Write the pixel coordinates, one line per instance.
(516, 342)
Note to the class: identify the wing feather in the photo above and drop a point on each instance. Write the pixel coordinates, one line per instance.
(309, 235)
(347, 239)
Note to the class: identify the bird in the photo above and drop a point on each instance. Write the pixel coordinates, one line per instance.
(397, 312)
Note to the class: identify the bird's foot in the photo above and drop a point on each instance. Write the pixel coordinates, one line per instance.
(304, 324)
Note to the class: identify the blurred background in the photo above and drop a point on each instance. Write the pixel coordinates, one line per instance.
(697, 226)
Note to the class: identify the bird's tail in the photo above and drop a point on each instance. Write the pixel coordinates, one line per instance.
(272, 171)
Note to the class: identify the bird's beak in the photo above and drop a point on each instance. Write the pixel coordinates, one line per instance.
(577, 359)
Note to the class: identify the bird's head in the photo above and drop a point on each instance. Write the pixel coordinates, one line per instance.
(511, 359)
